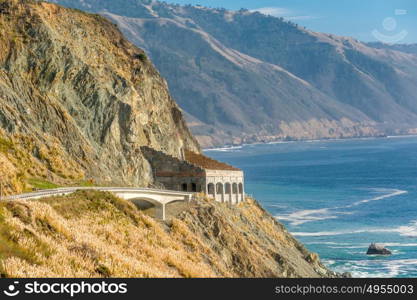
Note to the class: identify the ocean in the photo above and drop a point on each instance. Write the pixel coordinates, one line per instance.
(339, 196)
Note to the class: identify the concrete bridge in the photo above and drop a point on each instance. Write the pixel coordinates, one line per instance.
(158, 198)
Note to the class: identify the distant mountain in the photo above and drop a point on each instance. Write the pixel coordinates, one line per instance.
(246, 77)
(407, 48)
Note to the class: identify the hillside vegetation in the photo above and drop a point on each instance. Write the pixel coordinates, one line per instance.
(95, 234)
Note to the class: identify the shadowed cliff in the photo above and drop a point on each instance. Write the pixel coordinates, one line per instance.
(77, 100)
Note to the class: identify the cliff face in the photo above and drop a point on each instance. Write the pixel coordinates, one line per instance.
(260, 78)
(77, 100)
(94, 234)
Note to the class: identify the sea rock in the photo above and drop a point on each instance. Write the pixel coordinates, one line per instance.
(378, 249)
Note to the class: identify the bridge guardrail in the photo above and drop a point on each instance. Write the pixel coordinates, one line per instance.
(69, 190)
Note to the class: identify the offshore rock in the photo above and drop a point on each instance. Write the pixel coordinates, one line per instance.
(376, 249)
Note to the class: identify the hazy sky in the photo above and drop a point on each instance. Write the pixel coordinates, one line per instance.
(391, 21)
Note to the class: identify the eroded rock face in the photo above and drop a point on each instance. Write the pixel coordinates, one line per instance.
(77, 100)
(251, 243)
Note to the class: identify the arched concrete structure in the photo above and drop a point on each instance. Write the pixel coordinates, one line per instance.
(159, 198)
(199, 173)
(226, 192)
(229, 185)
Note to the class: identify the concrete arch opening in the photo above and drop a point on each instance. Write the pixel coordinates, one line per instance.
(234, 188)
(235, 193)
(211, 190)
(184, 187)
(150, 207)
(219, 192)
(241, 196)
(228, 192)
(193, 187)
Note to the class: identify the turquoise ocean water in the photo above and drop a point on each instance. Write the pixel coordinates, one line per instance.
(337, 197)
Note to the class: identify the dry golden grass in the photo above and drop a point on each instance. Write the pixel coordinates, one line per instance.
(91, 234)
(95, 234)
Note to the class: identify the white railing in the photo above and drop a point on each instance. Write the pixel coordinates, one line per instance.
(70, 190)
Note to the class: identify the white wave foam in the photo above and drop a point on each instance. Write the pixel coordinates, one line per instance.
(367, 268)
(311, 215)
(325, 243)
(367, 245)
(323, 233)
(391, 194)
(304, 216)
(224, 149)
(280, 142)
(400, 244)
(348, 245)
(276, 205)
(409, 231)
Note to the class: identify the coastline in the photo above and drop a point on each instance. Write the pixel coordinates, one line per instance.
(239, 146)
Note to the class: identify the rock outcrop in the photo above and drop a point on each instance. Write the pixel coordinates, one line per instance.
(377, 249)
(77, 100)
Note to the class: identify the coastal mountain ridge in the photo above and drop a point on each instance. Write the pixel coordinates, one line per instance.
(261, 78)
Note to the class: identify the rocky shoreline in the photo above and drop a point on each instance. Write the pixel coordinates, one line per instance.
(279, 141)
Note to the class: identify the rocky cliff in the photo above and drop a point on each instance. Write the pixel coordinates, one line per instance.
(94, 234)
(261, 78)
(77, 100)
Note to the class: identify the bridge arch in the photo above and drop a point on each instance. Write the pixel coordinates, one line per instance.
(140, 202)
(146, 199)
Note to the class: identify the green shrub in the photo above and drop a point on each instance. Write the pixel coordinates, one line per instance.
(41, 184)
(142, 57)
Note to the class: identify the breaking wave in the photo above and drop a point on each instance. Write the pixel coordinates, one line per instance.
(409, 230)
(367, 268)
(224, 149)
(304, 216)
